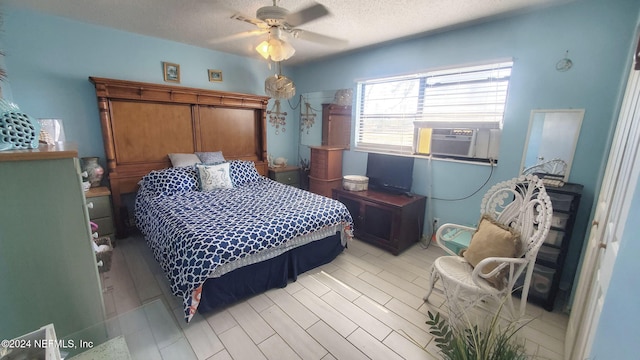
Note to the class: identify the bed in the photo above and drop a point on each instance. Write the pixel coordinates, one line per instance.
(215, 245)
(198, 235)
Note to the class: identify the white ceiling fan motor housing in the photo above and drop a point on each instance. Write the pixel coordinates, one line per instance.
(272, 15)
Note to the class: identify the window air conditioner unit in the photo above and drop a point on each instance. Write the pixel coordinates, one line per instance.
(453, 142)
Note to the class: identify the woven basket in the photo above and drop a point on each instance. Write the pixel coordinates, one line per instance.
(355, 183)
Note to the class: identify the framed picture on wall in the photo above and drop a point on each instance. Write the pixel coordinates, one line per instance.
(171, 72)
(215, 75)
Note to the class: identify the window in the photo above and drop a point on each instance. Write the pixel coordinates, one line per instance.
(390, 109)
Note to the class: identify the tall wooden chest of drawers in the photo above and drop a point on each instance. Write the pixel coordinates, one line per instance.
(336, 125)
(326, 169)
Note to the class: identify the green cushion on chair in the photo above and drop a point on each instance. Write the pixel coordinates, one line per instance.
(458, 241)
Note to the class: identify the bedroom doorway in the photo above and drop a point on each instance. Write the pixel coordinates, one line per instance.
(616, 194)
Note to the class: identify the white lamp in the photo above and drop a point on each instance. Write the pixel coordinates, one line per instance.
(275, 47)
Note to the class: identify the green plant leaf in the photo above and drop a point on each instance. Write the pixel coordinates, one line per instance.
(477, 342)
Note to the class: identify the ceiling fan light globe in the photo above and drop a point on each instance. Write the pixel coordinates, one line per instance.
(280, 50)
(263, 49)
(287, 50)
(275, 50)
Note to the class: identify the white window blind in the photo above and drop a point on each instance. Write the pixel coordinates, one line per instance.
(465, 97)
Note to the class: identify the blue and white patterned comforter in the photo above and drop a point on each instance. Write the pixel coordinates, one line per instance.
(195, 235)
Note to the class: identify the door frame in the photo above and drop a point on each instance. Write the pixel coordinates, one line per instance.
(607, 227)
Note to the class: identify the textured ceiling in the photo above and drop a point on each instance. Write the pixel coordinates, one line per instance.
(206, 23)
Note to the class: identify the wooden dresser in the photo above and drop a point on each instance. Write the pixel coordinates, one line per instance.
(326, 160)
(326, 169)
(392, 222)
(47, 264)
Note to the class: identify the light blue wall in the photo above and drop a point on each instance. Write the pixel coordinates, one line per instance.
(597, 34)
(49, 60)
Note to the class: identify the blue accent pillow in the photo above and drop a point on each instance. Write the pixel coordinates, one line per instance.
(172, 180)
(211, 157)
(243, 172)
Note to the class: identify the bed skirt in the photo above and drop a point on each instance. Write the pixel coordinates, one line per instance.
(269, 274)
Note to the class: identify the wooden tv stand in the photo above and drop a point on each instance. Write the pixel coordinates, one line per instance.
(392, 222)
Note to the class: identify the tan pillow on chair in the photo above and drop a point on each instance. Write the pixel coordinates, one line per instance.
(492, 239)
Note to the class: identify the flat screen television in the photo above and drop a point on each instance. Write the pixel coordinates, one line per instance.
(390, 173)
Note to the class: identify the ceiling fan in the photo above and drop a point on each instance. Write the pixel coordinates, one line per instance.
(279, 23)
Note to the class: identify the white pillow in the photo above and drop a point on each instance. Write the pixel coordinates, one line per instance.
(214, 177)
(184, 160)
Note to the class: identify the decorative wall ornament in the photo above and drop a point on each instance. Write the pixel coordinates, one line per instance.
(277, 118)
(171, 72)
(307, 118)
(565, 63)
(215, 75)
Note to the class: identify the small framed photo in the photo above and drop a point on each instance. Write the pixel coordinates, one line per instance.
(215, 75)
(171, 72)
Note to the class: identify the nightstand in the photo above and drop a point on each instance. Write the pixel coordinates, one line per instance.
(289, 175)
(99, 199)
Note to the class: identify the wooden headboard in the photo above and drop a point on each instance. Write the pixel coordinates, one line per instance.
(142, 123)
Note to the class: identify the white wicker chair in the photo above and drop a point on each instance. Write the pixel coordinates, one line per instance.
(521, 203)
(553, 167)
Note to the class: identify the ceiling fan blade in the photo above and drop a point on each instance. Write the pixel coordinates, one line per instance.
(306, 15)
(253, 21)
(238, 36)
(318, 38)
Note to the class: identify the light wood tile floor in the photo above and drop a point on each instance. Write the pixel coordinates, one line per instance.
(366, 304)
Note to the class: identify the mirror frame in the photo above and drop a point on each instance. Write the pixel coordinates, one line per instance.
(579, 116)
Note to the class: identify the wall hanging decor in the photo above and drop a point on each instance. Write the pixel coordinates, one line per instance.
(565, 63)
(17, 129)
(215, 75)
(277, 118)
(307, 118)
(171, 72)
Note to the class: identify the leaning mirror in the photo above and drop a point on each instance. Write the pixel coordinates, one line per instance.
(551, 142)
